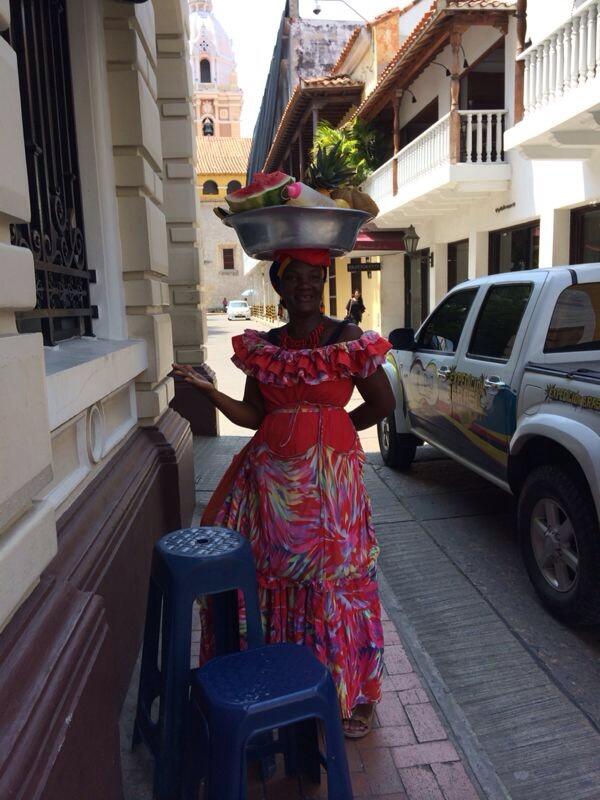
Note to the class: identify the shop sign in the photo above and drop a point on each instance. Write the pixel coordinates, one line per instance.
(365, 266)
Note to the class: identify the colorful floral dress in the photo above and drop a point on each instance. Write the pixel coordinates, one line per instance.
(296, 491)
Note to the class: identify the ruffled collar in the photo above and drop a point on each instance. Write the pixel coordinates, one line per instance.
(255, 340)
(272, 364)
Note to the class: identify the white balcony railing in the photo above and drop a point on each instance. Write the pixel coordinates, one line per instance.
(429, 150)
(479, 138)
(379, 183)
(567, 58)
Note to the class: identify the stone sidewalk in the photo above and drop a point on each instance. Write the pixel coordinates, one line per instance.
(410, 754)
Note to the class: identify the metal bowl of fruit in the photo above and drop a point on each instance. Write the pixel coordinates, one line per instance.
(264, 230)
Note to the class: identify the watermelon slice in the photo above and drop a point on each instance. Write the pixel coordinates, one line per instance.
(265, 190)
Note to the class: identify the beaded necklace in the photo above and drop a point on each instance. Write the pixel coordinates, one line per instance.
(308, 343)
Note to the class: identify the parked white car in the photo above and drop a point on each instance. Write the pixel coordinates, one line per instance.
(238, 309)
(504, 377)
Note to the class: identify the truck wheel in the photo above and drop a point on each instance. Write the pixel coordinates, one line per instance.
(560, 544)
(397, 451)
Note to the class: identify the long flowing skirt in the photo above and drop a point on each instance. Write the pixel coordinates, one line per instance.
(307, 516)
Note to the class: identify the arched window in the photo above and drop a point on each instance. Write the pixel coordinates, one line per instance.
(233, 186)
(208, 127)
(205, 71)
(210, 187)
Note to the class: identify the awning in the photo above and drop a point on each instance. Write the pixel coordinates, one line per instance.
(333, 96)
(380, 241)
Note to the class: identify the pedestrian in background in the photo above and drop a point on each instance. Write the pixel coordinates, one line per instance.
(355, 308)
(224, 305)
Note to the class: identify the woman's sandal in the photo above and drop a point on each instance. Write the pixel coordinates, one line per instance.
(359, 724)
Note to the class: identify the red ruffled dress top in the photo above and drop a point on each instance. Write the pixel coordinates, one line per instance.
(296, 492)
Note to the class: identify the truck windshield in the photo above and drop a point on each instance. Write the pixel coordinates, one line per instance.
(575, 323)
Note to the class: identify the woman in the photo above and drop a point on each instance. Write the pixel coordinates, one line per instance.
(296, 490)
(355, 308)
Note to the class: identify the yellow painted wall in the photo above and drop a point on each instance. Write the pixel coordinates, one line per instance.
(221, 179)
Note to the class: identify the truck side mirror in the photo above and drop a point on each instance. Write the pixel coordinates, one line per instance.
(402, 339)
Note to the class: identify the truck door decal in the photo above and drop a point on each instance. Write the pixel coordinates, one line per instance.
(572, 397)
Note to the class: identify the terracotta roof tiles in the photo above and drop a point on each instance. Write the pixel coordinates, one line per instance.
(347, 48)
(329, 80)
(501, 5)
(222, 155)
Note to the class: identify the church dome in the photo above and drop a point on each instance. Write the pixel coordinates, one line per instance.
(209, 42)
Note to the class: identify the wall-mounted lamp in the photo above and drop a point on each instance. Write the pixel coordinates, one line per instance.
(414, 99)
(443, 66)
(411, 239)
(465, 62)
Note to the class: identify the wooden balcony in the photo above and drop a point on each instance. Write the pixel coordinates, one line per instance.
(460, 156)
(561, 91)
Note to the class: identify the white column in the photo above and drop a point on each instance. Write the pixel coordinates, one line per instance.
(138, 157)
(27, 526)
(187, 301)
(478, 254)
(392, 292)
(555, 229)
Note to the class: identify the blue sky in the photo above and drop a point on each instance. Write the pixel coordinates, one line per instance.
(253, 25)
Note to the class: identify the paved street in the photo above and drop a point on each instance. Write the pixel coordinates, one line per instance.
(478, 673)
(518, 687)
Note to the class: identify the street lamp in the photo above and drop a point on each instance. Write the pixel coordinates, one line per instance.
(411, 239)
(317, 8)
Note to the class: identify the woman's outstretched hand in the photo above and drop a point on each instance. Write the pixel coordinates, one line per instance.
(248, 413)
(189, 374)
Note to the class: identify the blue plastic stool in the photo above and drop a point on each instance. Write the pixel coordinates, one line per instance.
(187, 564)
(237, 696)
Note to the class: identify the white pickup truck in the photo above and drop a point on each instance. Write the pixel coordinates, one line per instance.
(504, 377)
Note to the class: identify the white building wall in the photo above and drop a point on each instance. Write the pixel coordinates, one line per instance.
(65, 410)
(539, 190)
(543, 16)
(433, 82)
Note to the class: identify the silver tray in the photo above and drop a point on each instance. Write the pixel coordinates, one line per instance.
(264, 230)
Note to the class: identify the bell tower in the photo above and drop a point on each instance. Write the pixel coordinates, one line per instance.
(217, 97)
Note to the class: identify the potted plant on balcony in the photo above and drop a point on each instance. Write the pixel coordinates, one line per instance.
(342, 159)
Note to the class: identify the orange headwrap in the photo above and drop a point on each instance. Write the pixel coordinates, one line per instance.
(318, 258)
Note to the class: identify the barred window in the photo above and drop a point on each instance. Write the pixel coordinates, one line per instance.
(228, 258)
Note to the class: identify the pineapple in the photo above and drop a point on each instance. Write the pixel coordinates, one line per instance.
(328, 169)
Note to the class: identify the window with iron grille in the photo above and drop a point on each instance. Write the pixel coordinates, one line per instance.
(228, 258)
(55, 235)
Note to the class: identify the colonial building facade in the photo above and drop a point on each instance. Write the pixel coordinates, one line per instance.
(221, 168)
(101, 289)
(487, 118)
(222, 154)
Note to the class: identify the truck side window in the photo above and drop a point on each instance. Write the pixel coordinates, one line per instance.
(575, 323)
(443, 328)
(499, 320)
